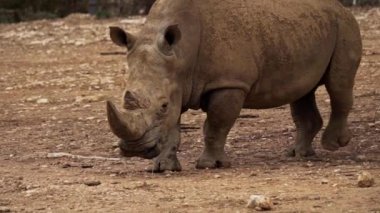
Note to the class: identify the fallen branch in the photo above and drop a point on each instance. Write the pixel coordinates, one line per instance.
(64, 154)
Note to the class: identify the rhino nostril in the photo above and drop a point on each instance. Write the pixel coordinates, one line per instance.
(128, 97)
(164, 107)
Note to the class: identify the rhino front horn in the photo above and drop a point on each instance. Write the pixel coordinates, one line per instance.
(121, 126)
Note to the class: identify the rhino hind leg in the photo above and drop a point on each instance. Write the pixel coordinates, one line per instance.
(223, 107)
(339, 82)
(308, 122)
(337, 134)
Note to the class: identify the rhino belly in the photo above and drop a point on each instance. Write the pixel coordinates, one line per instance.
(286, 86)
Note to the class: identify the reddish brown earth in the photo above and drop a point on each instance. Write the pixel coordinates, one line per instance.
(72, 65)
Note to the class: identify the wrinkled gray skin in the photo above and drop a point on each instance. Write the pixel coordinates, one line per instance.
(223, 56)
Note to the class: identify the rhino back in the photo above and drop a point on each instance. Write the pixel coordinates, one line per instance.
(275, 50)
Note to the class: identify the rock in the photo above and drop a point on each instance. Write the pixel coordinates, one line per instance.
(252, 174)
(66, 165)
(260, 202)
(92, 183)
(371, 124)
(87, 166)
(42, 101)
(309, 164)
(80, 43)
(324, 181)
(365, 179)
(314, 197)
(32, 98)
(89, 99)
(4, 209)
(360, 158)
(115, 145)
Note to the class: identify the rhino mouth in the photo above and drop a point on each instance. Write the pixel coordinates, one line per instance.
(146, 147)
(146, 153)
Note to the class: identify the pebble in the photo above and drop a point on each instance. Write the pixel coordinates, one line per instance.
(66, 165)
(89, 99)
(260, 202)
(309, 164)
(252, 174)
(361, 158)
(92, 183)
(32, 98)
(371, 124)
(4, 209)
(324, 181)
(365, 179)
(87, 166)
(79, 43)
(42, 101)
(314, 197)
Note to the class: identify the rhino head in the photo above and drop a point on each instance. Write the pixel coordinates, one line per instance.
(152, 98)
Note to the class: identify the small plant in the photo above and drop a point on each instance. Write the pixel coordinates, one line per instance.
(102, 14)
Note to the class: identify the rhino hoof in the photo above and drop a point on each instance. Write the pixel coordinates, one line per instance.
(162, 165)
(212, 163)
(300, 153)
(332, 142)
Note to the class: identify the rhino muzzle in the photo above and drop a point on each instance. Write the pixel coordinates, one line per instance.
(147, 153)
(137, 139)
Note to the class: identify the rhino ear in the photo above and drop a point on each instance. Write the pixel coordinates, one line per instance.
(172, 35)
(122, 38)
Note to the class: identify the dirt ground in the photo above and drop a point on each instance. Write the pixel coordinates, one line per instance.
(54, 79)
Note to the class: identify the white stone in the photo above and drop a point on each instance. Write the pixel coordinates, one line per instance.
(365, 179)
(260, 202)
(42, 101)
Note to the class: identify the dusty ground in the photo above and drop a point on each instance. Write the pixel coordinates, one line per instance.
(54, 78)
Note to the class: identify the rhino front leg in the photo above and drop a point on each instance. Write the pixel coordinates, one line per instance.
(167, 160)
(222, 109)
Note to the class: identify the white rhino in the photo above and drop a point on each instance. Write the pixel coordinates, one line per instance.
(225, 55)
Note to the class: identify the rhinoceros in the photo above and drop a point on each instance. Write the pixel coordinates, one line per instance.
(222, 56)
